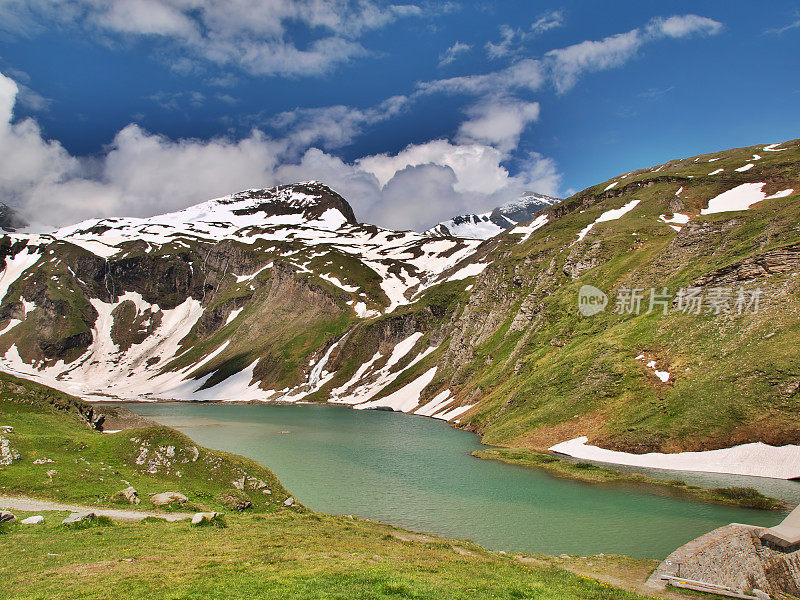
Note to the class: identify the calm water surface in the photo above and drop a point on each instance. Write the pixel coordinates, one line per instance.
(418, 473)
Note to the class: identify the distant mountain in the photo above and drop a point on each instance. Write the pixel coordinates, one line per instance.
(485, 225)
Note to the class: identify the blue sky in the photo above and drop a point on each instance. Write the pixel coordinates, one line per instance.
(414, 112)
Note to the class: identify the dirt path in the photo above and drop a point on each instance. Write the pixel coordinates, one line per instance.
(118, 514)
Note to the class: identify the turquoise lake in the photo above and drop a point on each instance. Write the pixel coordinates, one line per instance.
(417, 473)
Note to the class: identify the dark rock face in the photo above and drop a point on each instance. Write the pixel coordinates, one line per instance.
(779, 260)
(10, 220)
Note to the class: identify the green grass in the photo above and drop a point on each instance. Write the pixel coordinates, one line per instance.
(591, 473)
(91, 466)
(275, 555)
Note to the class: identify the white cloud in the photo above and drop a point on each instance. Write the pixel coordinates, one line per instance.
(548, 20)
(505, 46)
(453, 52)
(333, 126)
(512, 40)
(142, 174)
(789, 26)
(25, 158)
(563, 67)
(682, 25)
(498, 122)
(526, 74)
(567, 64)
(252, 34)
(477, 167)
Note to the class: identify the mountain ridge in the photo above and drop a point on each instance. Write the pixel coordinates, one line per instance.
(484, 334)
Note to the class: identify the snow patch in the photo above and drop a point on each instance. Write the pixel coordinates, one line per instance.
(407, 397)
(741, 197)
(469, 271)
(756, 459)
(609, 215)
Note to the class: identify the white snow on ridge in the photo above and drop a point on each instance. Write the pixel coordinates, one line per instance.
(756, 459)
(15, 267)
(404, 260)
(234, 313)
(717, 172)
(611, 186)
(469, 271)
(406, 398)
(675, 221)
(527, 230)
(747, 167)
(741, 197)
(773, 148)
(609, 215)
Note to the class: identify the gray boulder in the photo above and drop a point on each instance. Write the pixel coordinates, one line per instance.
(78, 518)
(165, 498)
(289, 501)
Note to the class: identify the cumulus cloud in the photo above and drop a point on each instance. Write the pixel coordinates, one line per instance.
(477, 167)
(453, 52)
(141, 173)
(498, 122)
(252, 34)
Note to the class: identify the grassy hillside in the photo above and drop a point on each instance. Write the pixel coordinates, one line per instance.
(91, 467)
(267, 551)
(543, 373)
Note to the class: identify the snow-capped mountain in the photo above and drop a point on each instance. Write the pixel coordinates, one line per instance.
(485, 225)
(240, 297)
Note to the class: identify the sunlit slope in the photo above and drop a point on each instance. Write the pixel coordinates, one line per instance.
(539, 372)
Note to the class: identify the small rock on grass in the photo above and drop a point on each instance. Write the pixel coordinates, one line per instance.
(289, 501)
(34, 520)
(129, 494)
(202, 517)
(165, 498)
(7, 517)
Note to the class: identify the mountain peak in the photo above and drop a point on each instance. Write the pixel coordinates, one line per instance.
(311, 198)
(485, 225)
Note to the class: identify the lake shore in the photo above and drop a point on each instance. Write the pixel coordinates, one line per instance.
(590, 473)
